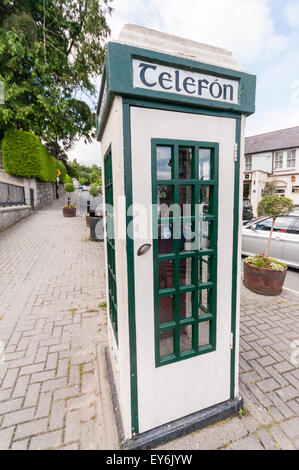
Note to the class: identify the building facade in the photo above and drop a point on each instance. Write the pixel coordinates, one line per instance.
(272, 158)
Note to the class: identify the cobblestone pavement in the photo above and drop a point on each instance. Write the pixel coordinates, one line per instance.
(51, 285)
(269, 380)
(53, 385)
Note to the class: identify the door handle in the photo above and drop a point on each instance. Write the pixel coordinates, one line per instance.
(144, 249)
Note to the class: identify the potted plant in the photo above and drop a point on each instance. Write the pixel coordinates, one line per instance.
(69, 210)
(263, 274)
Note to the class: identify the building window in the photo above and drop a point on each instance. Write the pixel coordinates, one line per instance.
(291, 160)
(278, 160)
(248, 163)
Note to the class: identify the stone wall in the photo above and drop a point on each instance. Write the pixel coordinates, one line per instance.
(45, 193)
(11, 215)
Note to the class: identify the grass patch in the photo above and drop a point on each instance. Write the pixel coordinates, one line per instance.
(7, 228)
(103, 305)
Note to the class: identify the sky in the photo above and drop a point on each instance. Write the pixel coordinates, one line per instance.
(262, 34)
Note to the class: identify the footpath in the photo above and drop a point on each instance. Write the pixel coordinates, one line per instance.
(54, 391)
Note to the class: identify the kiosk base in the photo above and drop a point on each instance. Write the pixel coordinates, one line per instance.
(176, 429)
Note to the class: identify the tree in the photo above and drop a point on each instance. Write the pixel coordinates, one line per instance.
(86, 176)
(69, 188)
(274, 206)
(50, 52)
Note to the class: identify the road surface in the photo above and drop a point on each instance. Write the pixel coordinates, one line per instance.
(83, 197)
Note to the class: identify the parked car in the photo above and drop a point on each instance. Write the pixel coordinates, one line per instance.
(285, 239)
(247, 210)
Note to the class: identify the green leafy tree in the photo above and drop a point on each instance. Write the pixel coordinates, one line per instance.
(86, 176)
(69, 188)
(83, 182)
(274, 206)
(95, 176)
(50, 53)
(94, 191)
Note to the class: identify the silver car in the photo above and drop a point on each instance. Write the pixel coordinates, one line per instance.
(285, 239)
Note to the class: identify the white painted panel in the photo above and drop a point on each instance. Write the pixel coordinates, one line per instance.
(119, 354)
(176, 390)
(152, 76)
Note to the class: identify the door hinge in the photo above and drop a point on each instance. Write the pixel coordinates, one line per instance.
(236, 148)
(232, 340)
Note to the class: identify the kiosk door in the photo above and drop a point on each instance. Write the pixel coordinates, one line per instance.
(183, 284)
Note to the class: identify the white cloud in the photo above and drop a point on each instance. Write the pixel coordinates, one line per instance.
(247, 28)
(292, 14)
(243, 26)
(272, 120)
(86, 154)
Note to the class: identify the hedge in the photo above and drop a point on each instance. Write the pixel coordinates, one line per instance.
(24, 155)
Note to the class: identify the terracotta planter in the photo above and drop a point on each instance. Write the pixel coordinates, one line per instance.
(87, 219)
(69, 211)
(264, 281)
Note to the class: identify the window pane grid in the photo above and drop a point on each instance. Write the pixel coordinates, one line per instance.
(110, 243)
(188, 280)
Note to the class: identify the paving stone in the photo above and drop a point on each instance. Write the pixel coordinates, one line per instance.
(21, 386)
(43, 376)
(44, 405)
(54, 384)
(32, 395)
(16, 417)
(10, 405)
(250, 377)
(72, 426)
(50, 440)
(57, 415)
(266, 439)
(288, 393)
(291, 428)
(268, 385)
(10, 378)
(247, 443)
(5, 437)
(20, 445)
(31, 428)
(282, 440)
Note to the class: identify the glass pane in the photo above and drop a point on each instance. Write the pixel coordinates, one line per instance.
(185, 200)
(186, 271)
(185, 159)
(165, 274)
(204, 301)
(186, 338)
(186, 305)
(165, 232)
(204, 333)
(187, 241)
(164, 162)
(204, 235)
(205, 200)
(204, 269)
(166, 343)
(204, 164)
(166, 309)
(164, 196)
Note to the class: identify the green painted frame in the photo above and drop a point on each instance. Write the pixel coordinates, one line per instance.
(118, 73)
(110, 242)
(176, 256)
(127, 103)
